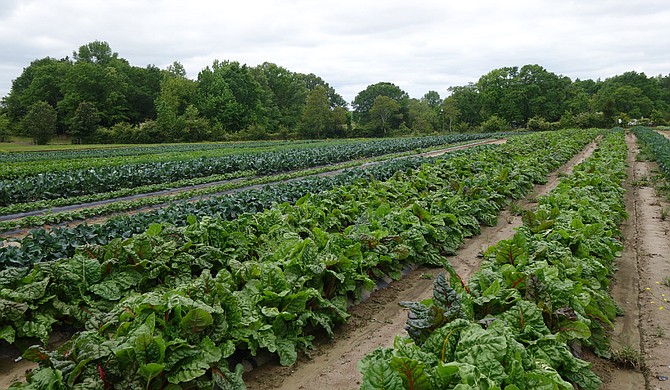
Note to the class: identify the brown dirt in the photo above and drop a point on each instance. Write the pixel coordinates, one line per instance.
(375, 322)
(648, 245)
(665, 133)
(638, 285)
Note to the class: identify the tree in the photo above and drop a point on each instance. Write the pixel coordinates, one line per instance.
(449, 112)
(468, 102)
(317, 115)
(312, 81)
(4, 128)
(40, 123)
(285, 94)
(177, 93)
(433, 99)
(365, 99)
(84, 123)
(229, 96)
(422, 117)
(41, 81)
(383, 111)
(96, 52)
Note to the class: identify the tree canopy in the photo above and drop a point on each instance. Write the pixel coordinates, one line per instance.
(98, 96)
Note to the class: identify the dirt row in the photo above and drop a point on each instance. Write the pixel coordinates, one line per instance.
(641, 285)
(375, 322)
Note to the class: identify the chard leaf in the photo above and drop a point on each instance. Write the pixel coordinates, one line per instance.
(149, 349)
(150, 371)
(196, 320)
(8, 334)
(377, 372)
(412, 372)
(227, 380)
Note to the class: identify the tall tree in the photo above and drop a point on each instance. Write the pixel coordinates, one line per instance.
(316, 116)
(468, 102)
(312, 81)
(383, 113)
(96, 52)
(365, 99)
(449, 113)
(40, 81)
(285, 92)
(228, 95)
(84, 123)
(40, 123)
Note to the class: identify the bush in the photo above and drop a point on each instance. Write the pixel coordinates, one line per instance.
(537, 123)
(495, 123)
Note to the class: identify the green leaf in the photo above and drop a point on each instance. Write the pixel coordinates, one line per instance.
(227, 380)
(150, 371)
(377, 377)
(196, 320)
(154, 229)
(8, 334)
(149, 349)
(570, 330)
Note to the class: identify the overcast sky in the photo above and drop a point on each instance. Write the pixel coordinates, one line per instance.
(418, 45)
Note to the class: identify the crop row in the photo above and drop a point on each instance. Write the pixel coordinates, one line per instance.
(175, 307)
(510, 325)
(200, 186)
(54, 155)
(657, 144)
(51, 244)
(54, 185)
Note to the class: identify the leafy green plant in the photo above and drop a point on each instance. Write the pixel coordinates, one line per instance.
(521, 308)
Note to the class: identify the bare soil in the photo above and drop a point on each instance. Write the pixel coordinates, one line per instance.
(649, 247)
(375, 322)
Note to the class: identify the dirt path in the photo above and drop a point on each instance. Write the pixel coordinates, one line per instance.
(376, 322)
(665, 133)
(639, 286)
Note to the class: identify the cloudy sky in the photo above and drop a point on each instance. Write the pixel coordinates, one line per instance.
(419, 45)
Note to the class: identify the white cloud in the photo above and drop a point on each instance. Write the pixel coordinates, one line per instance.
(419, 45)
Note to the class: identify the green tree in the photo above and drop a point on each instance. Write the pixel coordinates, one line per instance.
(317, 115)
(312, 81)
(40, 81)
(365, 99)
(177, 93)
(382, 114)
(4, 128)
(433, 99)
(96, 52)
(40, 123)
(449, 113)
(285, 94)
(84, 123)
(228, 95)
(468, 102)
(501, 95)
(422, 118)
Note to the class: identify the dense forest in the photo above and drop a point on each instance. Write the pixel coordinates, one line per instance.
(98, 97)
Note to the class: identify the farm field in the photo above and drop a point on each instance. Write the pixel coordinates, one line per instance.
(194, 294)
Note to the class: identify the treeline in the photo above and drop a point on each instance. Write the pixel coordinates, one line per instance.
(96, 96)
